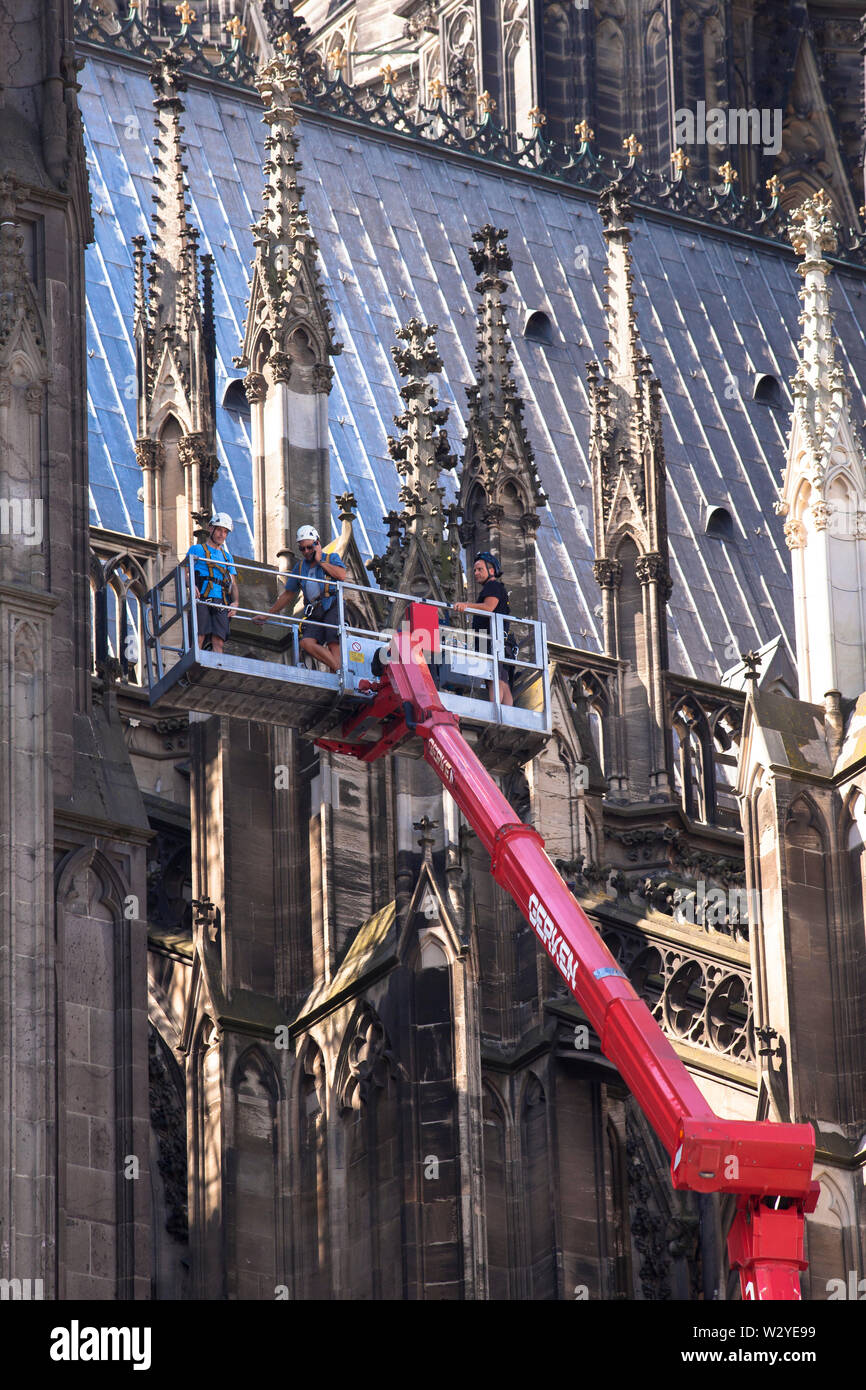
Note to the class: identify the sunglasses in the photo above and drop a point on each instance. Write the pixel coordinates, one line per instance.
(308, 547)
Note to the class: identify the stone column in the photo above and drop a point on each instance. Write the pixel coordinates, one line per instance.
(652, 573)
(256, 388)
(28, 1133)
(294, 479)
(149, 457)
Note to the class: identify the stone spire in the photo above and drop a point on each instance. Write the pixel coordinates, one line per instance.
(631, 543)
(818, 385)
(289, 33)
(421, 451)
(286, 286)
(625, 433)
(418, 542)
(823, 493)
(288, 336)
(499, 486)
(174, 332)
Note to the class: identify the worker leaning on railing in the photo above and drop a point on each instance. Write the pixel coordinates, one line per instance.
(492, 598)
(315, 574)
(215, 583)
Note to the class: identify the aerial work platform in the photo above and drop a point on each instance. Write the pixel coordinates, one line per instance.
(263, 674)
(421, 680)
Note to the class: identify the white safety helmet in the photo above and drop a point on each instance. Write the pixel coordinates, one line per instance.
(220, 519)
(307, 533)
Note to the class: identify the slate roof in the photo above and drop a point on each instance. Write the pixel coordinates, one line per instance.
(394, 224)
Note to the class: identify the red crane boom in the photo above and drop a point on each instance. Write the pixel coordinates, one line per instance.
(767, 1166)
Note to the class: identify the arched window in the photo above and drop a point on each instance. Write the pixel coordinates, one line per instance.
(461, 55)
(657, 125)
(611, 89)
(767, 390)
(93, 625)
(726, 736)
(312, 1216)
(693, 85)
(517, 66)
(235, 399)
(588, 687)
(720, 524)
(596, 725)
(693, 775)
(559, 94)
(538, 327)
(536, 1175)
(495, 1147)
(714, 80)
(125, 586)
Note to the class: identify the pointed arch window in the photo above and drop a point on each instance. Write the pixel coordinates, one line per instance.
(559, 93)
(726, 741)
(693, 775)
(590, 688)
(656, 89)
(117, 592)
(313, 1235)
(94, 611)
(517, 65)
(611, 96)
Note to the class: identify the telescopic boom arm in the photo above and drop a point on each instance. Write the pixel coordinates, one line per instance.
(767, 1166)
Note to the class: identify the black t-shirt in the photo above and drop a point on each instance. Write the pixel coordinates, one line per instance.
(491, 588)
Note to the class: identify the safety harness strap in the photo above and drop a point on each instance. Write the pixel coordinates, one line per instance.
(218, 576)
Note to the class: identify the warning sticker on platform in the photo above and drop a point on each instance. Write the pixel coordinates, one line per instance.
(356, 652)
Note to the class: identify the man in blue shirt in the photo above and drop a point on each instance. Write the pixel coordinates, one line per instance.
(315, 573)
(216, 583)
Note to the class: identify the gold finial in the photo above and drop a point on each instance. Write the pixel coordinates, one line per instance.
(186, 12)
(338, 58)
(774, 185)
(486, 103)
(437, 89)
(821, 203)
(235, 28)
(728, 172)
(286, 44)
(680, 160)
(812, 230)
(537, 116)
(584, 132)
(389, 75)
(632, 146)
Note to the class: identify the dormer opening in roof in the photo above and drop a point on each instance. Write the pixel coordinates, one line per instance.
(500, 490)
(288, 339)
(631, 542)
(823, 493)
(423, 548)
(175, 344)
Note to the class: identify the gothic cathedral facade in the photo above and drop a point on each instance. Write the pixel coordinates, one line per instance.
(268, 1027)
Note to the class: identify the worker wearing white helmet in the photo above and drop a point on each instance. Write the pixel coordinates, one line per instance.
(216, 583)
(315, 573)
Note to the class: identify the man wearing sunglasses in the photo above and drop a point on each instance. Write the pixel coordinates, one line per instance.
(315, 573)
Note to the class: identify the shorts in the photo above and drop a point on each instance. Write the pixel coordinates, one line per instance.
(314, 627)
(212, 622)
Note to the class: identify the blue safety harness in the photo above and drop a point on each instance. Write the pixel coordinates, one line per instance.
(218, 577)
